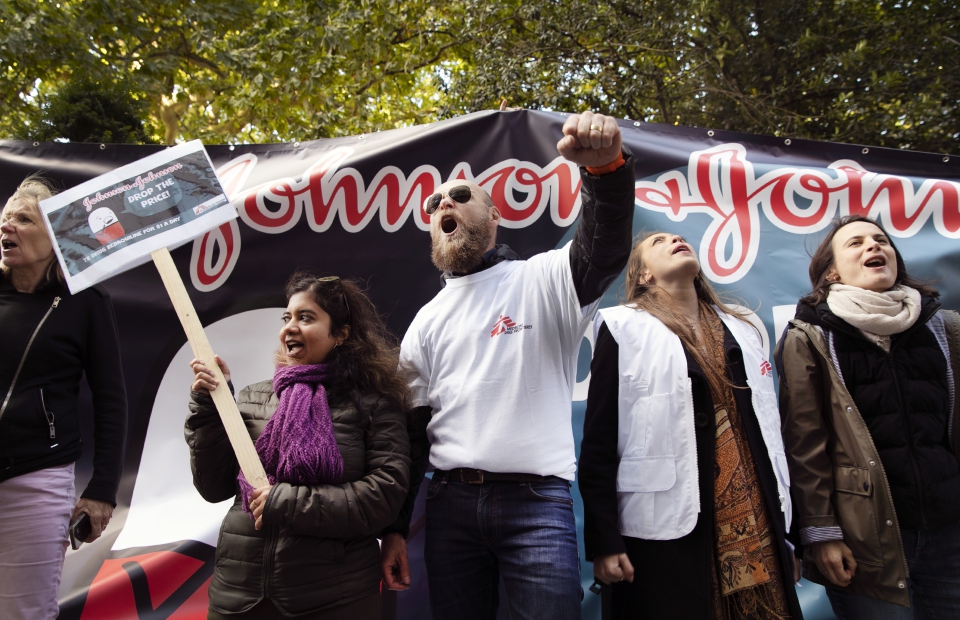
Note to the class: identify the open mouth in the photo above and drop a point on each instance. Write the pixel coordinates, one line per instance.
(448, 224)
(681, 248)
(294, 347)
(6, 244)
(877, 261)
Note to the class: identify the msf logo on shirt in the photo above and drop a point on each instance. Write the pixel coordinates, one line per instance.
(765, 368)
(505, 325)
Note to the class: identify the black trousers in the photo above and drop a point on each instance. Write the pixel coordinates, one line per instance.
(365, 609)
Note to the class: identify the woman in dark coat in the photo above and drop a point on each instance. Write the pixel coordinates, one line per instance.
(682, 471)
(869, 399)
(50, 339)
(331, 432)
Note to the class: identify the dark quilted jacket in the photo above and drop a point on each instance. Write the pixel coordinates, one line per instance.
(904, 399)
(318, 547)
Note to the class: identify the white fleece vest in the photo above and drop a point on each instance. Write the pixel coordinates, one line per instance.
(657, 482)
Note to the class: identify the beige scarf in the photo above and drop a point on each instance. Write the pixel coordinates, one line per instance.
(877, 315)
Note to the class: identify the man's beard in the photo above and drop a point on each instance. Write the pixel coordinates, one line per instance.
(462, 253)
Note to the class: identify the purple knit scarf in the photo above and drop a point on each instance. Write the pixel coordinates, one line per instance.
(297, 444)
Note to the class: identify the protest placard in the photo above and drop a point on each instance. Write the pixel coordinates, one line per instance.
(112, 223)
(135, 213)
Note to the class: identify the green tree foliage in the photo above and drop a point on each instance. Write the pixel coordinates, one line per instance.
(874, 72)
(230, 70)
(877, 72)
(87, 111)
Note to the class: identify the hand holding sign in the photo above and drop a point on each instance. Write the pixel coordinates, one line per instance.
(124, 218)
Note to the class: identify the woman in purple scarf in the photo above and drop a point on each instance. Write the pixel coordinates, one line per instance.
(331, 432)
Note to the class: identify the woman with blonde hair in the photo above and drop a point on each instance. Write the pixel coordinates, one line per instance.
(50, 339)
(682, 472)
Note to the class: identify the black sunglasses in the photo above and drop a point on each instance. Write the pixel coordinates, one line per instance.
(460, 193)
(343, 295)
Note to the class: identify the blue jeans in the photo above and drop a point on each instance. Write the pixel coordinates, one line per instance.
(933, 558)
(522, 531)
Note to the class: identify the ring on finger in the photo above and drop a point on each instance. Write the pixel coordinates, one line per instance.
(596, 128)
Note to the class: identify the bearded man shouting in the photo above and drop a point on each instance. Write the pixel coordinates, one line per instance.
(491, 363)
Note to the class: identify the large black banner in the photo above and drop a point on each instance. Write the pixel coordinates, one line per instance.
(351, 207)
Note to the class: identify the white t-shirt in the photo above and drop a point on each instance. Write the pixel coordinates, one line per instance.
(494, 355)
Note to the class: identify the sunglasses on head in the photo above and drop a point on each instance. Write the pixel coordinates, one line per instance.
(460, 193)
(343, 296)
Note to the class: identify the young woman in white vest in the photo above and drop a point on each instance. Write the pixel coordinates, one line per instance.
(682, 470)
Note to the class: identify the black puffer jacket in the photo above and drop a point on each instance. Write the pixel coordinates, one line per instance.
(904, 399)
(318, 547)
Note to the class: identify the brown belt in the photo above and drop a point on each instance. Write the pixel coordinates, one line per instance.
(479, 476)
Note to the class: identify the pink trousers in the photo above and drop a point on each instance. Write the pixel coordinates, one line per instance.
(35, 511)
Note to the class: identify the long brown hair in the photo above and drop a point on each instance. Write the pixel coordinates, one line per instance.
(823, 259)
(368, 358)
(31, 191)
(657, 302)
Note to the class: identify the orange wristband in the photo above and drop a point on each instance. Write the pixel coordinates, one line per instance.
(613, 166)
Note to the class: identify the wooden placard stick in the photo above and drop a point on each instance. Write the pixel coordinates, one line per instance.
(236, 430)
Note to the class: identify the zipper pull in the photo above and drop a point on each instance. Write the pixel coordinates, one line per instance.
(56, 301)
(47, 413)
